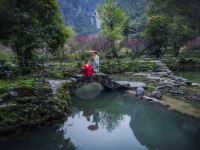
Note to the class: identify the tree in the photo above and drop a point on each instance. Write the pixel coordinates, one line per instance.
(179, 33)
(189, 10)
(68, 32)
(30, 25)
(156, 33)
(113, 21)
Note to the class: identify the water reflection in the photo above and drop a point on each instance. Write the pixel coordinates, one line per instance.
(165, 130)
(39, 139)
(105, 110)
(118, 122)
(113, 121)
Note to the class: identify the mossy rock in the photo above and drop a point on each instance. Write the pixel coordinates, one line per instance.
(34, 104)
(31, 111)
(89, 91)
(27, 84)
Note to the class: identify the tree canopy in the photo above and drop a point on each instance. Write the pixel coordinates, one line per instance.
(113, 21)
(156, 32)
(29, 25)
(188, 9)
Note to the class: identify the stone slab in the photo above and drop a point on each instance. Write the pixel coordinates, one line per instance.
(133, 85)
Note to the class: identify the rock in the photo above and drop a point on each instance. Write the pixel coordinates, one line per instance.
(143, 74)
(194, 97)
(140, 91)
(79, 77)
(176, 93)
(123, 83)
(133, 85)
(131, 92)
(153, 78)
(180, 83)
(6, 105)
(154, 100)
(161, 87)
(12, 92)
(167, 81)
(179, 79)
(89, 91)
(5, 72)
(195, 84)
(73, 80)
(55, 84)
(156, 94)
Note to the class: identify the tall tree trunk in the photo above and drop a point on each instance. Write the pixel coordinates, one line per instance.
(113, 49)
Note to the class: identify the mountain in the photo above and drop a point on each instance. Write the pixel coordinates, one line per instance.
(136, 9)
(81, 14)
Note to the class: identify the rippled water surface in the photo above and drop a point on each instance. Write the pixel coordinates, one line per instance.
(113, 121)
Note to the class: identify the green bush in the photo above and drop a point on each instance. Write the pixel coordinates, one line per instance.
(7, 56)
(150, 87)
(184, 64)
(111, 67)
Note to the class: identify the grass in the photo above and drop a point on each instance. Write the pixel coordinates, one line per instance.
(183, 106)
(29, 82)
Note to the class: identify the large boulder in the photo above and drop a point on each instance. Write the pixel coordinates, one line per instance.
(89, 91)
(140, 91)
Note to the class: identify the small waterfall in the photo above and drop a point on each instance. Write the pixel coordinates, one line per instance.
(55, 84)
(98, 22)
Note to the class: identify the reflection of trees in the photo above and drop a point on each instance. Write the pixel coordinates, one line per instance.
(154, 127)
(106, 110)
(42, 139)
(157, 128)
(109, 121)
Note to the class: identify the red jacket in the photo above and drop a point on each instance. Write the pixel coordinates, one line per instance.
(87, 70)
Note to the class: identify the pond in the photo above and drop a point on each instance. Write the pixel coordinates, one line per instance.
(113, 121)
(193, 76)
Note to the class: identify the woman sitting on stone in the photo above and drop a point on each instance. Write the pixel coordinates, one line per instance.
(87, 69)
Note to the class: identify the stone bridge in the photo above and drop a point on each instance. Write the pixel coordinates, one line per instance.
(106, 81)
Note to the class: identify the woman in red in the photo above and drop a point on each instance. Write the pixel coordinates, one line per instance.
(87, 69)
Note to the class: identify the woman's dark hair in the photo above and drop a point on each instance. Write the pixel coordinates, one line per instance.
(87, 60)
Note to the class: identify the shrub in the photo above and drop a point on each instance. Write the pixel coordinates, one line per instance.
(150, 87)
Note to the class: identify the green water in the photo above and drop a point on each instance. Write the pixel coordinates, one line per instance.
(193, 76)
(113, 121)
